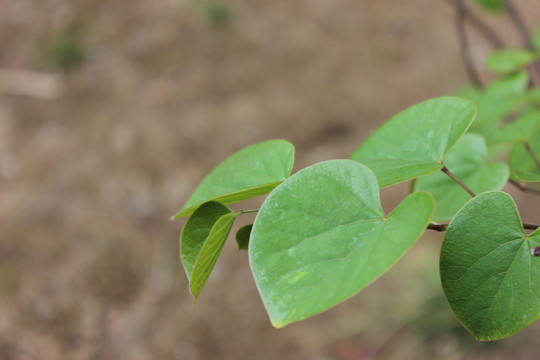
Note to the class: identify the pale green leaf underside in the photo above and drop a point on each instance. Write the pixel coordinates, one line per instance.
(490, 278)
(196, 231)
(468, 161)
(414, 142)
(522, 163)
(253, 171)
(210, 252)
(509, 60)
(321, 236)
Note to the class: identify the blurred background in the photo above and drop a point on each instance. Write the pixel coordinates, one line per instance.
(111, 113)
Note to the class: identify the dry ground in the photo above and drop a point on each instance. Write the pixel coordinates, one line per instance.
(146, 98)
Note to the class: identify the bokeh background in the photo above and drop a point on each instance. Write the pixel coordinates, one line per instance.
(112, 111)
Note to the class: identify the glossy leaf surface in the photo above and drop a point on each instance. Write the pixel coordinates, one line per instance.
(414, 142)
(489, 276)
(468, 161)
(322, 236)
(250, 172)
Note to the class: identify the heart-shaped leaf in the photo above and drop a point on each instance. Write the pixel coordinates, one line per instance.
(509, 60)
(414, 142)
(250, 172)
(525, 162)
(489, 276)
(202, 240)
(468, 161)
(322, 236)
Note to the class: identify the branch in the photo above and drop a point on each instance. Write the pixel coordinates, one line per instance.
(459, 182)
(524, 188)
(437, 227)
(530, 226)
(472, 72)
(519, 24)
(444, 227)
(483, 28)
(247, 211)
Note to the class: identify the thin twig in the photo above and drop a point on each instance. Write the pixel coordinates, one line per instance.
(459, 182)
(437, 227)
(483, 28)
(468, 61)
(530, 226)
(524, 188)
(491, 36)
(532, 154)
(247, 211)
(444, 227)
(519, 24)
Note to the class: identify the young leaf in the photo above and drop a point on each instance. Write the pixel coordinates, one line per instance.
(250, 172)
(535, 38)
(242, 237)
(414, 142)
(510, 60)
(531, 96)
(492, 5)
(499, 99)
(322, 236)
(209, 253)
(196, 231)
(468, 161)
(519, 130)
(524, 164)
(489, 276)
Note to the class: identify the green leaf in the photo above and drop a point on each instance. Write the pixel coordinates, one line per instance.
(253, 171)
(196, 231)
(490, 278)
(531, 96)
(526, 176)
(535, 38)
(492, 5)
(510, 60)
(242, 237)
(209, 253)
(468, 161)
(499, 99)
(414, 142)
(519, 130)
(322, 236)
(521, 162)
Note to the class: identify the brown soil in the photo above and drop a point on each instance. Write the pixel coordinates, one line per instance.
(165, 90)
